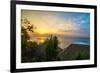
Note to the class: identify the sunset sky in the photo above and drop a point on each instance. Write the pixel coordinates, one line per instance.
(61, 23)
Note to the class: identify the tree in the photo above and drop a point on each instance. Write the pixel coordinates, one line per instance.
(26, 46)
(55, 47)
(52, 48)
(29, 27)
(24, 38)
(49, 47)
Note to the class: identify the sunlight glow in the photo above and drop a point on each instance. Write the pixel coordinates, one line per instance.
(59, 23)
(42, 31)
(40, 40)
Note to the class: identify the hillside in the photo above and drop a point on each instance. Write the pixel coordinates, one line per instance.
(75, 52)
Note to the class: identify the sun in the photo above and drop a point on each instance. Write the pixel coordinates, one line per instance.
(42, 31)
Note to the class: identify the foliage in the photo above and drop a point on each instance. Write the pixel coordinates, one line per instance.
(27, 47)
(82, 56)
(51, 48)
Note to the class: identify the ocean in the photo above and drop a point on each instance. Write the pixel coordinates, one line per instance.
(65, 42)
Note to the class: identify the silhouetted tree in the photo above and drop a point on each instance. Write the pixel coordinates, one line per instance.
(55, 47)
(26, 46)
(24, 38)
(52, 48)
(49, 47)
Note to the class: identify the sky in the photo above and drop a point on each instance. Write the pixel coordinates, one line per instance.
(61, 23)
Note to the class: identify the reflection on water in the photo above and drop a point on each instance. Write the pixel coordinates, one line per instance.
(63, 41)
(39, 40)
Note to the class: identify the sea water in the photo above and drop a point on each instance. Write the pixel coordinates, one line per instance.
(65, 42)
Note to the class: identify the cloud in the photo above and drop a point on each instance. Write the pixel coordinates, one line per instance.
(83, 33)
